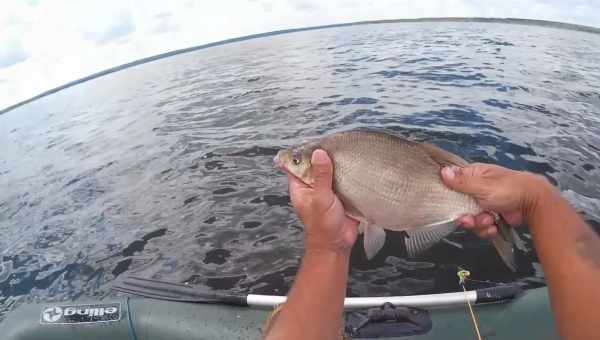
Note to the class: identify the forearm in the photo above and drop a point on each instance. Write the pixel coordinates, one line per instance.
(315, 303)
(569, 251)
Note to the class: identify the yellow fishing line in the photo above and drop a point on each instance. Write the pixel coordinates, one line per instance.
(463, 275)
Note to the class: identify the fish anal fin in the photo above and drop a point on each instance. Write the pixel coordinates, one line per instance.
(374, 240)
(423, 238)
(453, 244)
(443, 157)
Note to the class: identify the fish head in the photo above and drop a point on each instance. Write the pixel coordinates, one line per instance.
(297, 162)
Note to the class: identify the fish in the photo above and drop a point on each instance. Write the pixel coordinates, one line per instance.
(388, 182)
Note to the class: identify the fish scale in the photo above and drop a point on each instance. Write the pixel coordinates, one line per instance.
(383, 188)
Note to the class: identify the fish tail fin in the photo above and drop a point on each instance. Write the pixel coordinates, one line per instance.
(505, 243)
(506, 252)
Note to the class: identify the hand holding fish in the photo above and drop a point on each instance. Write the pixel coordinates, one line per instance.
(511, 193)
(327, 227)
(313, 309)
(567, 247)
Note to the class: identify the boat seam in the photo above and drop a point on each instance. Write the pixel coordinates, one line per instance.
(130, 322)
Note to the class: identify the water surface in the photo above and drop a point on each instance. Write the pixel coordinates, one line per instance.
(165, 169)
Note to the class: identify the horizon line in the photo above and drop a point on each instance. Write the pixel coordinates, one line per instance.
(520, 21)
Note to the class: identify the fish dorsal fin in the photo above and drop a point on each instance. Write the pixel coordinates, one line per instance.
(423, 238)
(443, 157)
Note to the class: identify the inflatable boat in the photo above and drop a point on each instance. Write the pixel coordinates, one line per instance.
(153, 310)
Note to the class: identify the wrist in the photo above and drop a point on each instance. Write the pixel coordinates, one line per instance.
(326, 252)
(321, 247)
(326, 260)
(539, 193)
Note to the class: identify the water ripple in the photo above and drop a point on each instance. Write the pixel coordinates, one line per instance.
(165, 170)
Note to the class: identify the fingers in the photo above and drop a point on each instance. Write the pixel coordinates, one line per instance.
(319, 196)
(484, 220)
(294, 184)
(481, 225)
(467, 180)
(467, 222)
(322, 171)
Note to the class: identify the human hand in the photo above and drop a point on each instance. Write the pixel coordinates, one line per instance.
(326, 226)
(513, 194)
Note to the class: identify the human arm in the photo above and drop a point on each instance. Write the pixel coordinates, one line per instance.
(569, 250)
(315, 302)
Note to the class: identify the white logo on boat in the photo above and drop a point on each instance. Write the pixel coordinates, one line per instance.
(52, 314)
(81, 313)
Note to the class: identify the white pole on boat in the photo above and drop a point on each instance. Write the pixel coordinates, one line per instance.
(429, 300)
(185, 293)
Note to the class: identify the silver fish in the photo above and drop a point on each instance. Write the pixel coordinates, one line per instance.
(388, 182)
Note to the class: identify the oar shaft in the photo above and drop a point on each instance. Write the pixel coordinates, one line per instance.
(187, 293)
(431, 300)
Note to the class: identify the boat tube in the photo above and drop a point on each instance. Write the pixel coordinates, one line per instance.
(185, 313)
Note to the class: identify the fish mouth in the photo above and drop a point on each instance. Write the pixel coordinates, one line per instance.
(278, 162)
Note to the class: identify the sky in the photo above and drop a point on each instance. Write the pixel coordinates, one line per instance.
(47, 43)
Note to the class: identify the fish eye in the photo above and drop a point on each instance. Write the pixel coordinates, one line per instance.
(296, 161)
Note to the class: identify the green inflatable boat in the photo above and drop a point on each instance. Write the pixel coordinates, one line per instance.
(162, 310)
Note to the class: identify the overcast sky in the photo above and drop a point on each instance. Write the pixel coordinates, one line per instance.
(46, 43)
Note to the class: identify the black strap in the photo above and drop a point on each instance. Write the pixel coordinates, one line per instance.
(502, 293)
(387, 321)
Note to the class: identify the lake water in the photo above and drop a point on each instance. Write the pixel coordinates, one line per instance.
(165, 169)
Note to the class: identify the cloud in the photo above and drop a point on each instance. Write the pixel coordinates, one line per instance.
(163, 15)
(47, 43)
(267, 6)
(164, 24)
(349, 4)
(12, 53)
(120, 26)
(304, 5)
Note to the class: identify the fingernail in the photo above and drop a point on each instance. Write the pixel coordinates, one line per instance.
(319, 156)
(448, 172)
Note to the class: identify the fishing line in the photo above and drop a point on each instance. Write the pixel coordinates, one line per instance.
(462, 277)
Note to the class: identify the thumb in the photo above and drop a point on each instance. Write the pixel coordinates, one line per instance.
(466, 180)
(322, 169)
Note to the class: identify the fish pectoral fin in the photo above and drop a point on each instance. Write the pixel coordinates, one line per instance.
(374, 240)
(423, 238)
